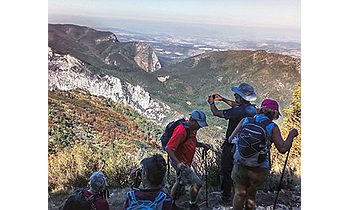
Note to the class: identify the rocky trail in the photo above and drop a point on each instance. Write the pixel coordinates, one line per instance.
(287, 200)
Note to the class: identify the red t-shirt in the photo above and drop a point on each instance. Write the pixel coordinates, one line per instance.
(184, 152)
(100, 204)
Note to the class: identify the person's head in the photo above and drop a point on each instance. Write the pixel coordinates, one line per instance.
(270, 109)
(153, 171)
(197, 120)
(244, 93)
(97, 182)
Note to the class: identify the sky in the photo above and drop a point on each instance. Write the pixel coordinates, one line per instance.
(252, 13)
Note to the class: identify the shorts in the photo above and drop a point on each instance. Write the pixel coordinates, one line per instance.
(252, 177)
(187, 176)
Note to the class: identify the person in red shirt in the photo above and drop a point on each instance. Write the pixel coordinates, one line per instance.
(181, 155)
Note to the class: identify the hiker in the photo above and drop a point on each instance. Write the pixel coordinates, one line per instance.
(93, 198)
(240, 108)
(251, 168)
(151, 176)
(181, 155)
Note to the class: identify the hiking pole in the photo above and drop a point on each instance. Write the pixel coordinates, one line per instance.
(204, 156)
(168, 165)
(280, 184)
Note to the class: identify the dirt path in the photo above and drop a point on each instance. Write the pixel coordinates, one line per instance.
(288, 200)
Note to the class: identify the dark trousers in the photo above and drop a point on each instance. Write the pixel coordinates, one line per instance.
(226, 169)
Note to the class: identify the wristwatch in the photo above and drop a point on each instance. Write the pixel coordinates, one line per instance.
(211, 103)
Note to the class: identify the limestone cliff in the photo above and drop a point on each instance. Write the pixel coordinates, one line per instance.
(67, 72)
(101, 48)
(146, 57)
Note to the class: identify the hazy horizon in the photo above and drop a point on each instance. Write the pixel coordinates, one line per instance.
(184, 29)
(278, 20)
(250, 13)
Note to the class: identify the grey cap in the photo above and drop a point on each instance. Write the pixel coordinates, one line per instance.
(97, 182)
(246, 91)
(199, 116)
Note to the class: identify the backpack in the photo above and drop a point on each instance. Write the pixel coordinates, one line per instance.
(135, 204)
(169, 129)
(253, 142)
(78, 201)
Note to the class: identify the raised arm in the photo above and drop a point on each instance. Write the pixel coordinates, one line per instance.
(227, 101)
(214, 109)
(283, 145)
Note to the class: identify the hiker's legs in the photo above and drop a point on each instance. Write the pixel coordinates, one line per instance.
(250, 198)
(226, 165)
(190, 178)
(256, 179)
(175, 189)
(240, 175)
(194, 192)
(240, 196)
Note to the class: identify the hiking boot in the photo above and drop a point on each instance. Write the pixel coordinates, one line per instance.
(194, 206)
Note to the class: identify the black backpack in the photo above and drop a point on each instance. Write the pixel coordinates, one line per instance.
(253, 143)
(169, 129)
(78, 201)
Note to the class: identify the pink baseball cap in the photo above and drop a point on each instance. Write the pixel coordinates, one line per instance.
(272, 104)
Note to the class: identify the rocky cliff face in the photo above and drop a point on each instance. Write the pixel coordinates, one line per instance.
(67, 72)
(101, 47)
(146, 58)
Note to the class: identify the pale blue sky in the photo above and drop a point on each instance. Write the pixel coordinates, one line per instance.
(271, 13)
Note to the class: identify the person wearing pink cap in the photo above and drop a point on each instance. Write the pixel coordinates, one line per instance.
(247, 175)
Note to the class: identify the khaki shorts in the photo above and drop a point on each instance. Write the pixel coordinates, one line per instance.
(252, 177)
(187, 177)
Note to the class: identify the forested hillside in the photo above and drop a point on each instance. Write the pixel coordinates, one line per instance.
(79, 121)
(191, 81)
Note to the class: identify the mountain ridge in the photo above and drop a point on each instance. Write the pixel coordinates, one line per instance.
(101, 46)
(272, 76)
(66, 72)
(185, 86)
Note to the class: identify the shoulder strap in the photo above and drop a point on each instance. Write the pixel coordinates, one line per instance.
(265, 122)
(79, 190)
(131, 197)
(187, 132)
(251, 119)
(161, 196)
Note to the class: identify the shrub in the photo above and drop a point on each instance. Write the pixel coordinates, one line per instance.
(293, 120)
(71, 168)
(118, 165)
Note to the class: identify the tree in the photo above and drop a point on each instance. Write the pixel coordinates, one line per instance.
(293, 120)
